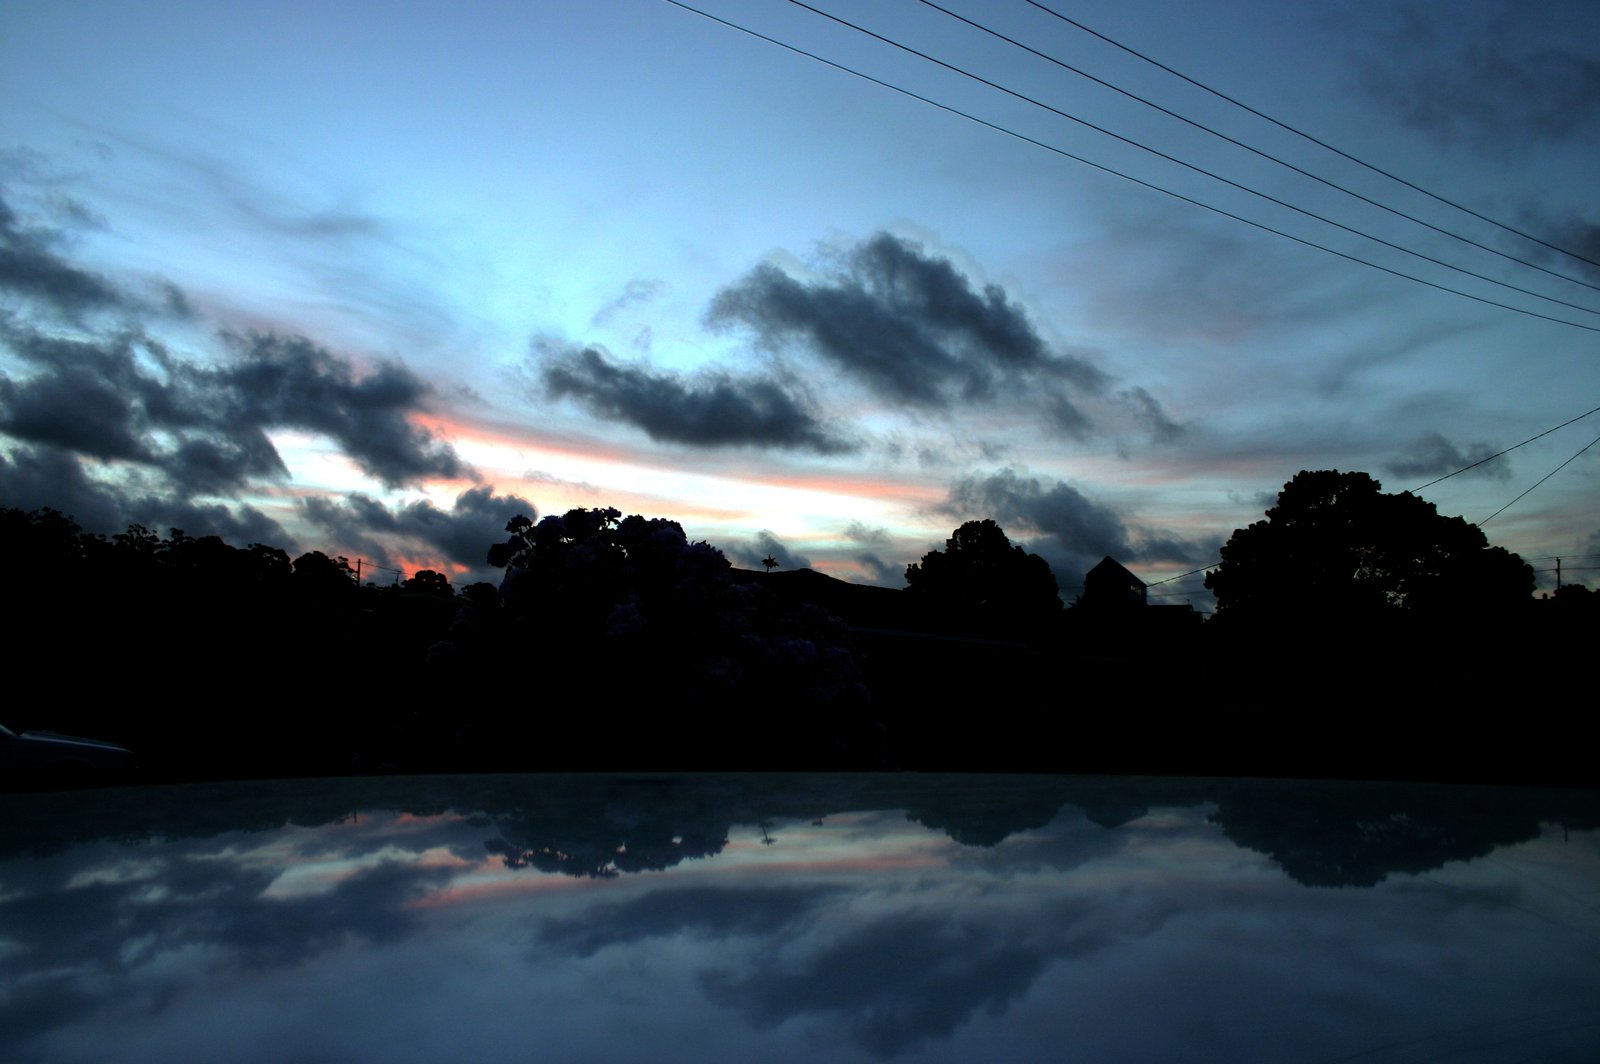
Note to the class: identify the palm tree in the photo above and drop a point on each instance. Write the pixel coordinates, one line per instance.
(770, 562)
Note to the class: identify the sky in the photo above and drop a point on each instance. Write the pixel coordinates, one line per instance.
(372, 278)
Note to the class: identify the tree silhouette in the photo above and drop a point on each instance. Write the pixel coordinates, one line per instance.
(980, 577)
(770, 562)
(430, 582)
(594, 593)
(1335, 546)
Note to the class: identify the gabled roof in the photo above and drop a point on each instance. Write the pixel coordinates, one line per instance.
(1109, 568)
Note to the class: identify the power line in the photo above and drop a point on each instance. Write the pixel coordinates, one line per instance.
(1180, 162)
(1463, 469)
(1508, 450)
(1180, 576)
(1257, 151)
(1319, 143)
(1119, 174)
(1541, 480)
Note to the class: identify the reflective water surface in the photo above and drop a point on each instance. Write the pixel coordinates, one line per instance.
(799, 918)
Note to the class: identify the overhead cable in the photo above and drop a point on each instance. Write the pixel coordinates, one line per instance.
(1508, 450)
(1117, 173)
(1257, 151)
(1319, 143)
(1541, 480)
(1180, 162)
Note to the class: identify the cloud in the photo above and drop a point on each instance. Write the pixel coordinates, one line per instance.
(882, 573)
(1145, 409)
(125, 397)
(900, 980)
(29, 266)
(637, 291)
(1580, 236)
(713, 912)
(36, 477)
(711, 409)
(750, 553)
(290, 381)
(1479, 82)
(914, 330)
(1432, 455)
(867, 535)
(1079, 530)
(463, 534)
(873, 538)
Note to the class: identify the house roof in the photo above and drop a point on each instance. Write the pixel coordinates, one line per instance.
(1108, 568)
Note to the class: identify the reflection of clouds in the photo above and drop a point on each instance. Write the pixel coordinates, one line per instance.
(895, 981)
(128, 930)
(1128, 927)
(714, 912)
(895, 960)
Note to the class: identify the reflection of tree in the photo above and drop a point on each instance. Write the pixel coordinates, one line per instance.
(987, 817)
(600, 830)
(1320, 833)
(1357, 835)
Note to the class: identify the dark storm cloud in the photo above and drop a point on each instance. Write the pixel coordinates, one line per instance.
(1432, 455)
(1455, 80)
(288, 381)
(1079, 530)
(30, 266)
(74, 408)
(711, 409)
(37, 477)
(34, 478)
(750, 553)
(915, 330)
(1022, 505)
(204, 431)
(462, 534)
(108, 397)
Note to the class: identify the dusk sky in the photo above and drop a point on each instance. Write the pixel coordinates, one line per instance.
(371, 278)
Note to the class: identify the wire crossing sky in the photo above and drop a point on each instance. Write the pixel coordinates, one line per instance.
(371, 280)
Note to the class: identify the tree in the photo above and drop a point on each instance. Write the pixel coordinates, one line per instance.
(631, 599)
(1335, 547)
(770, 562)
(981, 578)
(429, 582)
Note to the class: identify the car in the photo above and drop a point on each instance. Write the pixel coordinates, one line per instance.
(42, 758)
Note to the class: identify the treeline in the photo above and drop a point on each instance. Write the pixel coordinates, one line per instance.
(616, 643)
(206, 658)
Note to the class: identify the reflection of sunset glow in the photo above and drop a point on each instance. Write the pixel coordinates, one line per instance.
(494, 882)
(320, 875)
